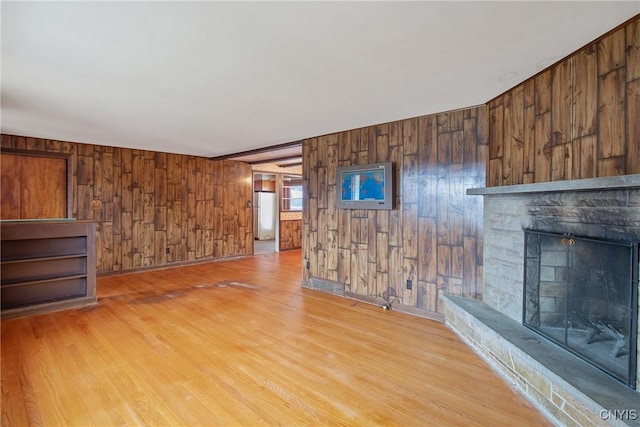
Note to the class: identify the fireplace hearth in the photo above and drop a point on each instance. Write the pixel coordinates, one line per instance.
(570, 390)
(580, 294)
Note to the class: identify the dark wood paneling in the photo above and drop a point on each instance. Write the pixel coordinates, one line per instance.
(291, 234)
(145, 203)
(10, 185)
(433, 236)
(34, 185)
(580, 117)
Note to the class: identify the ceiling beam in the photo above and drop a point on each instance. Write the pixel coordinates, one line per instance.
(258, 151)
(277, 159)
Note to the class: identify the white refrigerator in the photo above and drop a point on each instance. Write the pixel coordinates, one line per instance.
(264, 215)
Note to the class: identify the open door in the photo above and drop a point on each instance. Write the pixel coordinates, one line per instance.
(265, 213)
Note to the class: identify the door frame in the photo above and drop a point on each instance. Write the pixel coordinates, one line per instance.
(278, 184)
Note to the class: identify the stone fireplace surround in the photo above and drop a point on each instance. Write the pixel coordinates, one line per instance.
(567, 389)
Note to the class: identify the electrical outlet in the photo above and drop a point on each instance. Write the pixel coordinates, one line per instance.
(167, 250)
(409, 284)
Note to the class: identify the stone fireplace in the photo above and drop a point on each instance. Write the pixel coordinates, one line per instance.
(567, 388)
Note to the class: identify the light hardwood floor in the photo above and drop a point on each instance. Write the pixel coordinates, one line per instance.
(240, 343)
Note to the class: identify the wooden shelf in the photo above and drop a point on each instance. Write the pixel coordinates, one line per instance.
(46, 266)
(22, 260)
(38, 281)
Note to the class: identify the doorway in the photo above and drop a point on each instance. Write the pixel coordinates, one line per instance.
(265, 213)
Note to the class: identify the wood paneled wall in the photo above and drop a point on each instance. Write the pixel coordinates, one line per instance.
(27, 195)
(290, 234)
(155, 209)
(433, 236)
(578, 119)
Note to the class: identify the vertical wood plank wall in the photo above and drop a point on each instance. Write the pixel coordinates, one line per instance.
(290, 234)
(433, 236)
(29, 195)
(145, 202)
(578, 119)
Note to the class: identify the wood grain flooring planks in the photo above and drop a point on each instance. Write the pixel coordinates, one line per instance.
(240, 343)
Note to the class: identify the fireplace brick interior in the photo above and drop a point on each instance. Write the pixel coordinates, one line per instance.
(579, 294)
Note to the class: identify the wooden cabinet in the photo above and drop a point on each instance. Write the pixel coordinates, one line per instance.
(47, 266)
(264, 185)
(34, 184)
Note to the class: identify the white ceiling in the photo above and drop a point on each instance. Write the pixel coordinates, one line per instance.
(214, 78)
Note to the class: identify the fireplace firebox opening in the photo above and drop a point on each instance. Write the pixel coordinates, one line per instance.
(582, 294)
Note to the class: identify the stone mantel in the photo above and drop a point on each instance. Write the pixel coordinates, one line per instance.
(590, 184)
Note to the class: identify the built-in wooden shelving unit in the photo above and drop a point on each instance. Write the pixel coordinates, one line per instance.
(46, 266)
